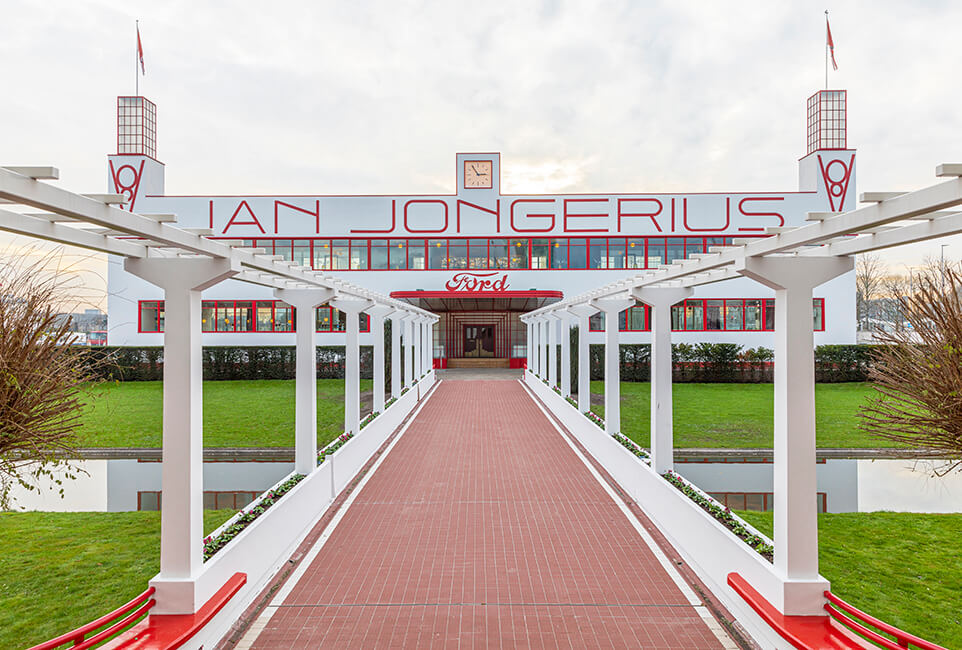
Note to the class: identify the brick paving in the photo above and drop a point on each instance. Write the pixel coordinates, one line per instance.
(482, 528)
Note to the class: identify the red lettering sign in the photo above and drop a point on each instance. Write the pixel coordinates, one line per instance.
(477, 283)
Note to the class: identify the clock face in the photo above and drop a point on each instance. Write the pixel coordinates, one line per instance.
(478, 174)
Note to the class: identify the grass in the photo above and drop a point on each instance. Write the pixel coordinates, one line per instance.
(740, 415)
(905, 569)
(61, 570)
(256, 413)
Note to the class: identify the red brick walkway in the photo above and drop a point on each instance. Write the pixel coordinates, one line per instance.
(482, 528)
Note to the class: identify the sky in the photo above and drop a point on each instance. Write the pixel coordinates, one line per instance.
(377, 97)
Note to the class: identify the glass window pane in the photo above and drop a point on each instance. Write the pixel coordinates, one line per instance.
(148, 316)
(539, 253)
(675, 249)
(678, 317)
(635, 254)
(559, 253)
(358, 255)
(498, 254)
(437, 254)
(363, 322)
(244, 311)
(302, 252)
(457, 253)
(734, 312)
(478, 253)
(265, 315)
(616, 254)
(283, 317)
(753, 315)
(284, 247)
(596, 321)
(398, 254)
(340, 255)
(817, 312)
(322, 254)
(225, 316)
(623, 320)
(415, 253)
(338, 320)
(694, 315)
(577, 253)
(207, 316)
(770, 314)
(754, 502)
(656, 251)
(694, 245)
(519, 253)
(714, 319)
(379, 249)
(598, 254)
(322, 319)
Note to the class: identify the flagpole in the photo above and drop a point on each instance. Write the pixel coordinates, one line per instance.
(137, 64)
(826, 49)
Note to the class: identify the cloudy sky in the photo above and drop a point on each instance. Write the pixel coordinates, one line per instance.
(376, 97)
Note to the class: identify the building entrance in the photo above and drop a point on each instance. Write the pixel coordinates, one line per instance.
(478, 341)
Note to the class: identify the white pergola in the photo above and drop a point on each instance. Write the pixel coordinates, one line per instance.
(792, 261)
(183, 262)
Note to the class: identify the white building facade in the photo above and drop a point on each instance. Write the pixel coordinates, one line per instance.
(480, 258)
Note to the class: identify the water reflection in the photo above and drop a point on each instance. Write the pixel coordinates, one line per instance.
(844, 485)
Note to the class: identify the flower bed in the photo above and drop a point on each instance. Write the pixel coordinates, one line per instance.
(723, 515)
(389, 402)
(594, 418)
(369, 418)
(572, 401)
(630, 445)
(334, 446)
(241, 521)
(556, 389)
(405, 389)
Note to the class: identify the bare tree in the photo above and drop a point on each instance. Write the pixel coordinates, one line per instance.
(870, 272)
(41, 372)
(918, 378)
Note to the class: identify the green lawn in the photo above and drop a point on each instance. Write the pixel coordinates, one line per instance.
(61, 570)
(256, 413)
(905, 569)
(740, 415)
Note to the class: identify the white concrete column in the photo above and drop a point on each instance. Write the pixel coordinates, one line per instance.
(796, 513)
(182, 482)
(408, 350)
(418, 348)
(660, 299)
(352, 308)
(305, 301)
(564, 320)
(529, 342)
(543, 346)
(397, 324)
(612, 307)
(376, 316)
(536, 347)
(583, 313)
(428, 345)
(552, 322)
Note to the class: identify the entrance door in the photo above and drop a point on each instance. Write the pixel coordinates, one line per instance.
(478, 341)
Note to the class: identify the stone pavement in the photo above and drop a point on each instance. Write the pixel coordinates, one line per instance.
(482, 528)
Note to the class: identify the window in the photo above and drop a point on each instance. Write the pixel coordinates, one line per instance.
(635, 253)
(770, 315)
(675, 249)
(694, 315)
(712, 314)
(322, 254)
(398, 254)
(208, 314)
(379, 254)
(265, 315)
(244, 316)
(734, 314)
(753, 315)
(616, 254)
(302, 252)
(539, 253)
(694, 245)
(415, 253)
(340, 255)
(598, 254)
(714, 319)
(322, 319)
(558, 253)
(519, 253)
(478, 253)
(284, 248)
(151, 316)
(577, 253)
(438, 254)
(457, 253)
(225, 317)
(358, 255)
(498, 251)
(283, 317)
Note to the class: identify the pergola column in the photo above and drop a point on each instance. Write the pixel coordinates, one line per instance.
(796, 514)
(182, 483)
(543, 346)
(583, 313)
(564, 319)
(397, 323)
(408, 350)
(612, 307)
(536, 346)
(528, 347)
(305, 301)
(428, 345)
(552, 322)
(660, 300)
(418, 347)
(376, 316)
(352, 309)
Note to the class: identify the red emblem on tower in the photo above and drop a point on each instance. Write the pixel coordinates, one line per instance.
(836, 175)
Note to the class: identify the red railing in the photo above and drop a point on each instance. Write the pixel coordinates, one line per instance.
(856, 620)
(137, 608)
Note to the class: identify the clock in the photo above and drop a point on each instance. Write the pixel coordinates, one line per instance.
(478, 174)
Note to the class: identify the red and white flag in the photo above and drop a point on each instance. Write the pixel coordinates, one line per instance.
(830, 42)
(140, 51)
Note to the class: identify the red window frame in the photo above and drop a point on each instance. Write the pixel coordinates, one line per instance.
(364, 325)
(766, 326)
